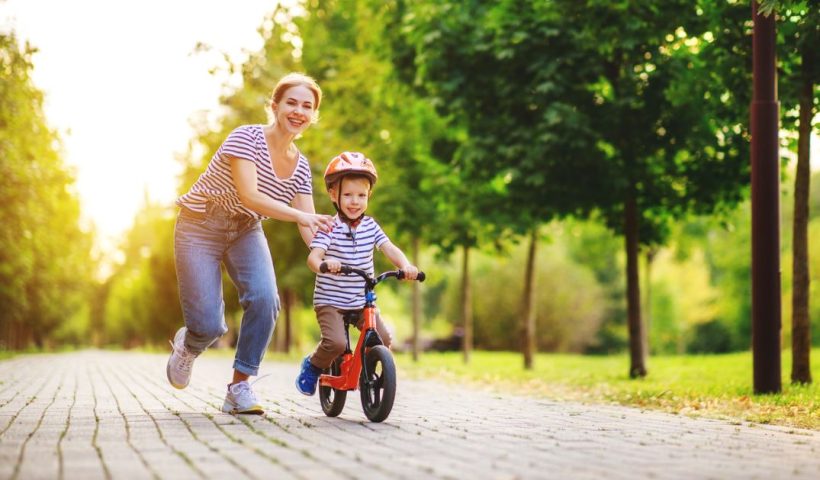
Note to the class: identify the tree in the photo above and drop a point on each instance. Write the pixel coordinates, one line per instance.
(46, 268)
(608, 96)
(799, 75)
(460, 51)
(374, 111)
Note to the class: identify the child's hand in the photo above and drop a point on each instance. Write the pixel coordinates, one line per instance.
(333, 266)
(410, 272)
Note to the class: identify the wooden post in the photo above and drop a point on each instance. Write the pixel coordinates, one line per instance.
(766, 315)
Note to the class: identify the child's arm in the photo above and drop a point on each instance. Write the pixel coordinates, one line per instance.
(395, 255)
(317, 256)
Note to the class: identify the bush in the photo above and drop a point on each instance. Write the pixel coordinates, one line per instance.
(710, 337)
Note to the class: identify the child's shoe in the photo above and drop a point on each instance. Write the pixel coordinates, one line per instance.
(308, 377)
(181, 361)
(241, 399)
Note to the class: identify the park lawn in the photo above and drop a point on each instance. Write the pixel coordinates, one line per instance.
(715, 386)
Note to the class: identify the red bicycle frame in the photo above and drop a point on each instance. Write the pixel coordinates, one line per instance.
(351, 366)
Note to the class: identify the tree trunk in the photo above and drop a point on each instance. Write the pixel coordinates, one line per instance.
(528, 316)
(416, 304)
(466, 306)
(801, 324)
(637, 366)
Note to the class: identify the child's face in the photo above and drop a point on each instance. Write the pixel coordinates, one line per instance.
(351, 196)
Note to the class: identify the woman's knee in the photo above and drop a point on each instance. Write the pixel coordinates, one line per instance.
(208, 332)
(261, 300)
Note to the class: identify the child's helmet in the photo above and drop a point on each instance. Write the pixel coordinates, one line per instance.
(349, 163)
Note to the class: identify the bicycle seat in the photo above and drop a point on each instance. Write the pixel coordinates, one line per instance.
(351, 317)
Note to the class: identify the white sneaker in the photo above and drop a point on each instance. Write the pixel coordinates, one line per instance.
(181, 361)
(241, 399)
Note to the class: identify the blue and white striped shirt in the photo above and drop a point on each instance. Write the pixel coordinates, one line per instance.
(351, 247)
(216, 185)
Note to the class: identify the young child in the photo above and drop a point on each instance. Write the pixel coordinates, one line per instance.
(349, 179)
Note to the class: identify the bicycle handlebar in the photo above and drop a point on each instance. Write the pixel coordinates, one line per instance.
(347, 270)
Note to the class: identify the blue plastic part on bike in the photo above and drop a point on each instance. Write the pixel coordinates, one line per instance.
(370, 297)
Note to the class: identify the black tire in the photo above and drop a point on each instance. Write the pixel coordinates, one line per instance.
(379, 388)
(332, 400)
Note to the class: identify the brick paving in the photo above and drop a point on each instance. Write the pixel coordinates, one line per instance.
(112, 415)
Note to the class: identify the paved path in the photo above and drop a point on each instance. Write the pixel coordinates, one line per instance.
(107, 415)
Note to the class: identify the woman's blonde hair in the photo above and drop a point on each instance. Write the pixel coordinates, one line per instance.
(299, 79)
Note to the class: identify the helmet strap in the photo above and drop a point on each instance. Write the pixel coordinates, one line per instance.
(351, 222)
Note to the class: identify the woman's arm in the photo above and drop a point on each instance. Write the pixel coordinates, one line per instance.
(245, 181)
(304, 203)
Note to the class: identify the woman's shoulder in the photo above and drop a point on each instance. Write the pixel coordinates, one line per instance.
(302, 165)
(301, 157)
(251, 129)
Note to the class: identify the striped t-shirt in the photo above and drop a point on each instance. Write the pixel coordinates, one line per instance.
(351, 247)
(215, 185)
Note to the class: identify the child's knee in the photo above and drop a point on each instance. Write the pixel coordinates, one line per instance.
(333, 347)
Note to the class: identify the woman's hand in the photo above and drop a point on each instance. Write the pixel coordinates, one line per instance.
(316, 222)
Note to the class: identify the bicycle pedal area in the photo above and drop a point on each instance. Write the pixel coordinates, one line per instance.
(101, 414)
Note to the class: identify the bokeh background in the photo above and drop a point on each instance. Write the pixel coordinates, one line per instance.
(518, 144)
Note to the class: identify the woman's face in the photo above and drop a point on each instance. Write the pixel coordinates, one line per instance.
(296, 110)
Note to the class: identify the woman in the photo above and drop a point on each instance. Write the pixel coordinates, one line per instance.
(256, 173)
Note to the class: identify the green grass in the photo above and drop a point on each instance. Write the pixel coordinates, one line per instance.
(717, 386)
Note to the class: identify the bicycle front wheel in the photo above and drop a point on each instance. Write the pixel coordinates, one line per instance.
(378, 386)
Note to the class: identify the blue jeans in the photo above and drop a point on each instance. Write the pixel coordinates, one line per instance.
(202, 242)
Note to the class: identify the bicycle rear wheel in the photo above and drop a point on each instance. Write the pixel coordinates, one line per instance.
(332, 400)
(378, 386)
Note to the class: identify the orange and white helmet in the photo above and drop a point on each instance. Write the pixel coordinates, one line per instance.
(350, 163)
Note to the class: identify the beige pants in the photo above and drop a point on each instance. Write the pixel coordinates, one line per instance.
(333, 342)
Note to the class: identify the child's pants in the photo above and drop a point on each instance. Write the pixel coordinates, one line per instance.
(333, 340)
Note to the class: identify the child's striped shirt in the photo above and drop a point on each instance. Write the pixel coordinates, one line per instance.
(350, 247)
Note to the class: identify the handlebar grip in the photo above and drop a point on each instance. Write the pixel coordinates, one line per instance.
(419, 278)
(345, 269)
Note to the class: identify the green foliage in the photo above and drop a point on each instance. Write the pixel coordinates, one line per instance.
(814, 289)
(798, 59)
(46, 269)
(142, 303)
(570, 305)
(710, 337)
(593, 245)
(484, 119)
(563, 94)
